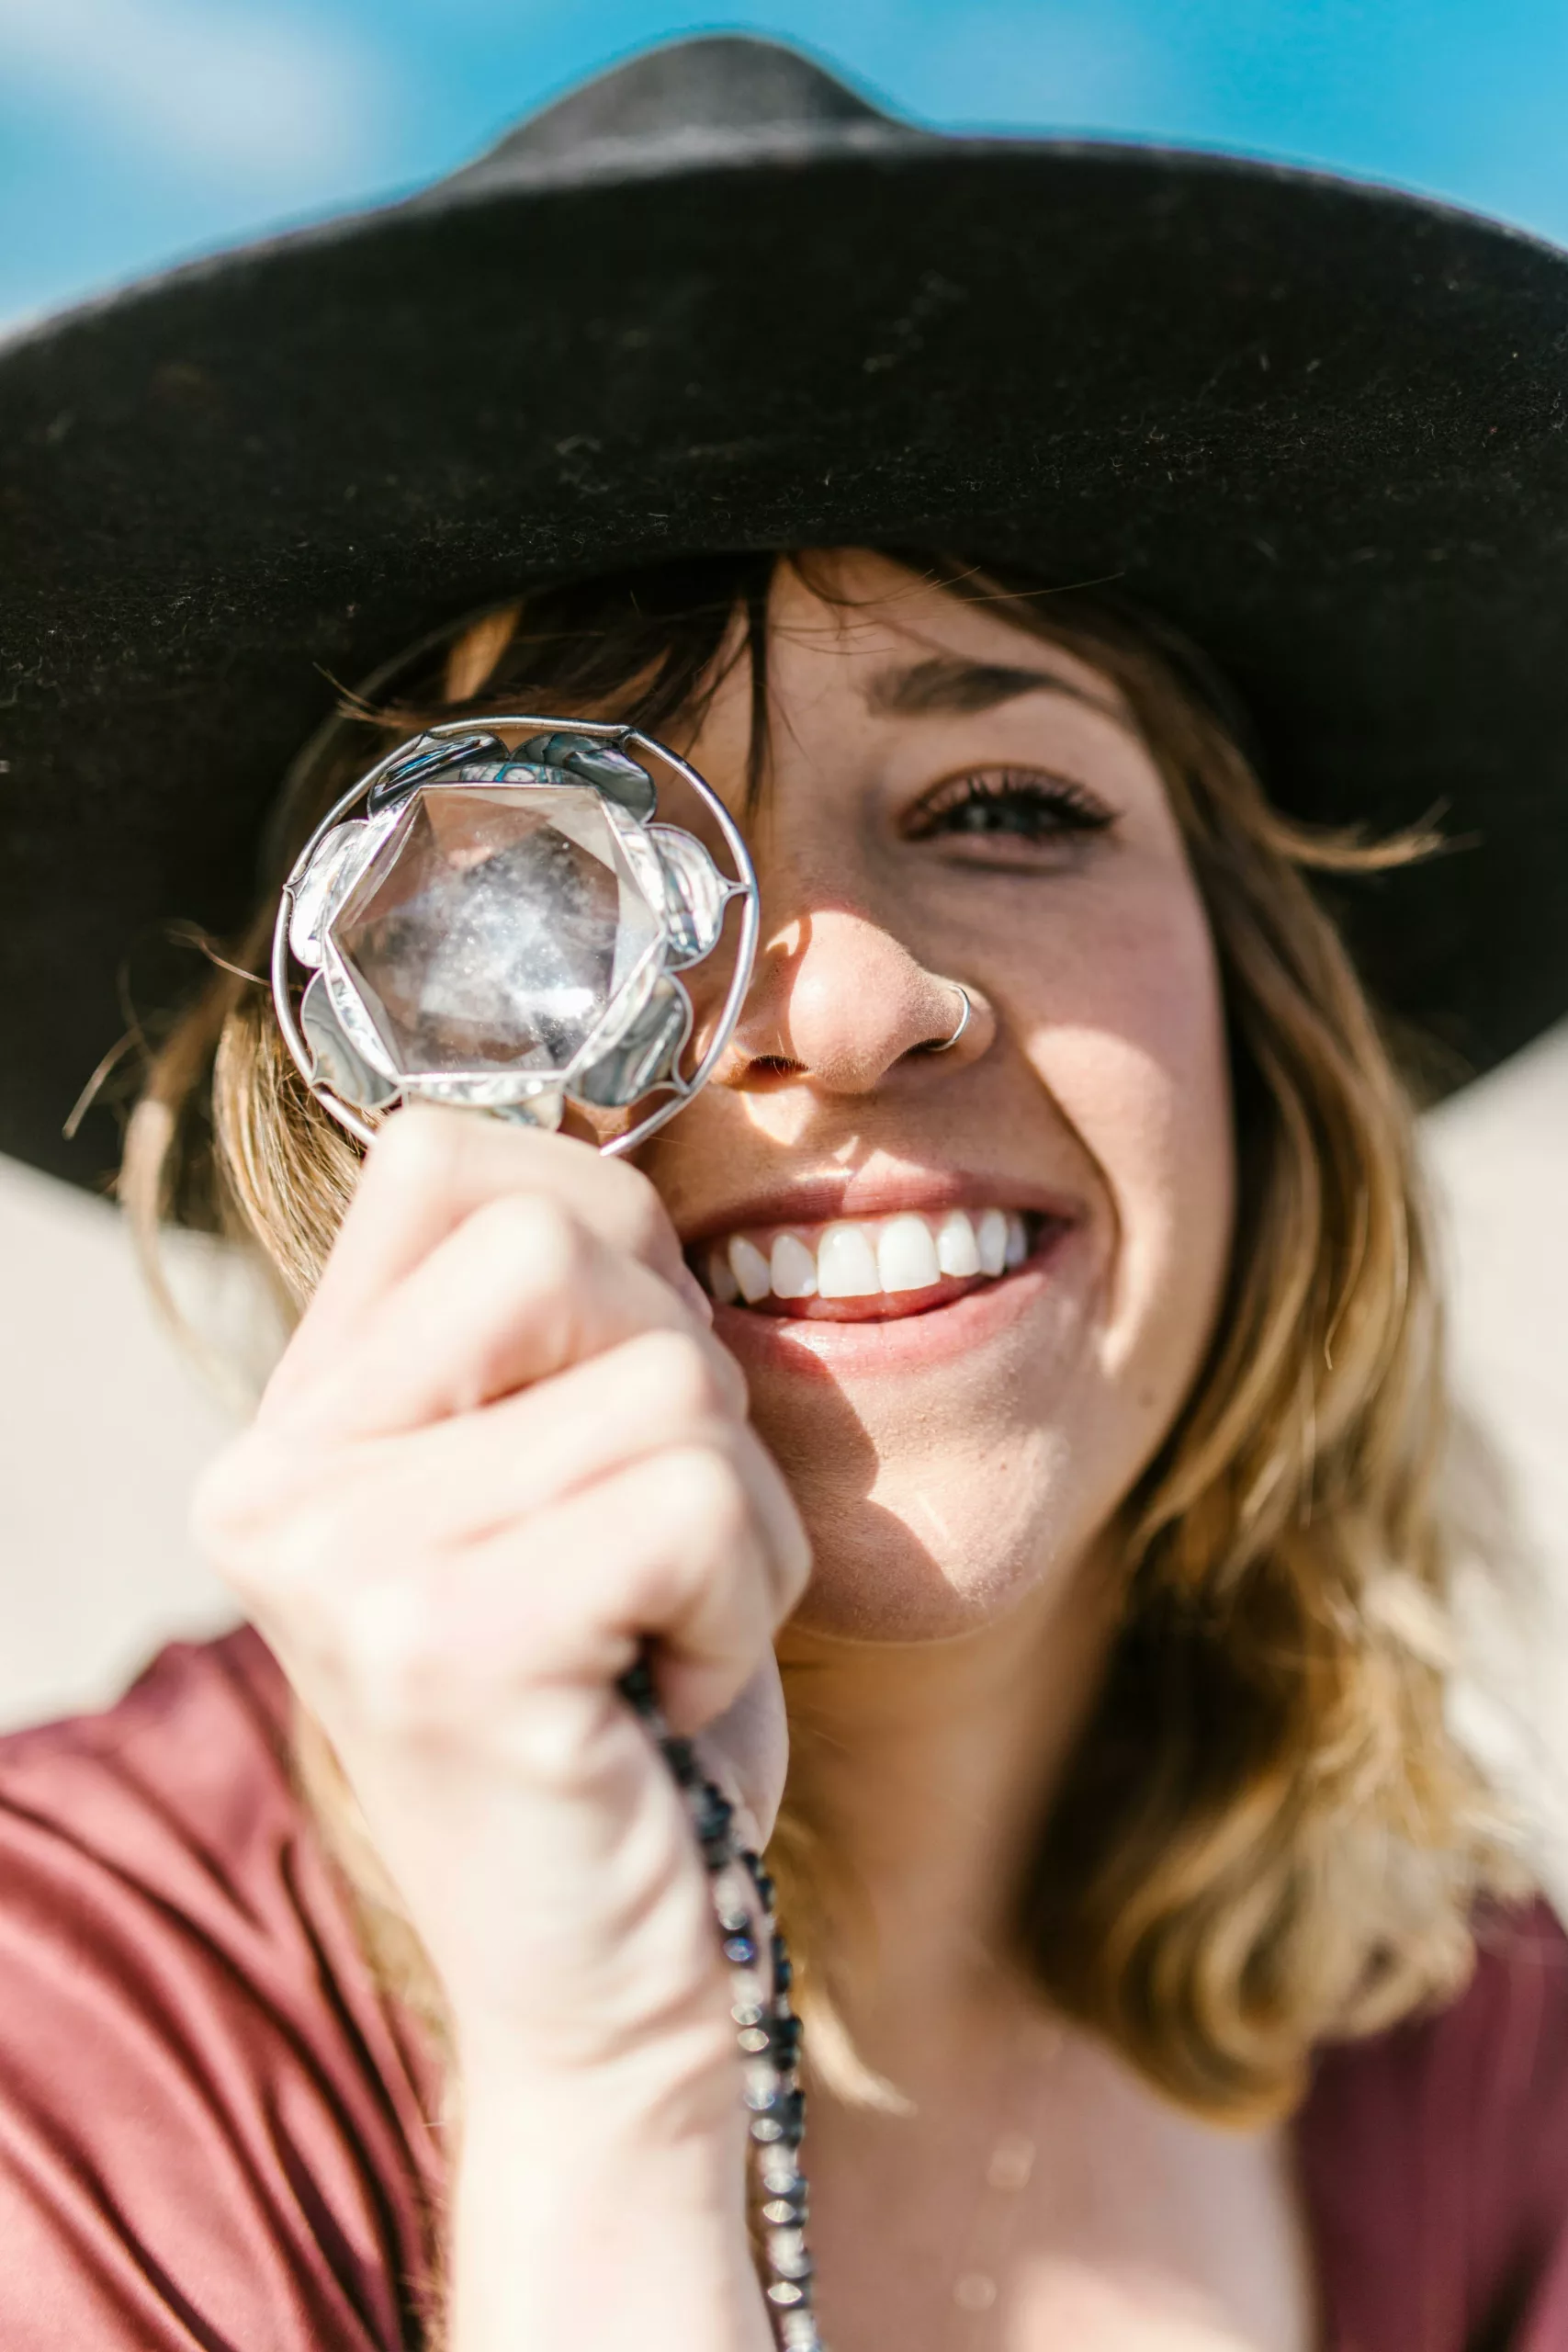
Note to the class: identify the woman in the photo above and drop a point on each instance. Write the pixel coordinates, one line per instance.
(1009, 1393)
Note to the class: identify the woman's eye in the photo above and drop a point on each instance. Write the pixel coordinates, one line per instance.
(1018, 807)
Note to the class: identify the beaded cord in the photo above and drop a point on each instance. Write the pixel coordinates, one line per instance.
(767, 2030)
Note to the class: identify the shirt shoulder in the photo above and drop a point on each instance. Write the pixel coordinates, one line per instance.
(1435, 2161)
(212, 2129)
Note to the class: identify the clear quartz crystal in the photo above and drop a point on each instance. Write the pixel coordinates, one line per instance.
(495, 931)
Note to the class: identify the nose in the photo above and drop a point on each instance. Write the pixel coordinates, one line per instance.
(839, 1000)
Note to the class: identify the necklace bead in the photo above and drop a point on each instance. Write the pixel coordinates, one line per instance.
(768, 2032)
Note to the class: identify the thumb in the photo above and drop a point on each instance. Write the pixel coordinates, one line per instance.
(747, 1751)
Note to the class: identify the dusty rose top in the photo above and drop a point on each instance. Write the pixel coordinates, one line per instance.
(215, 2134)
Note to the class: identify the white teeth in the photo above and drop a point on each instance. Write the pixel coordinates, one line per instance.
(721, 1278)
(906, 1255)
(858, 1258)
(991, 1240)
(793, 1269)
(846, 1263)
(750, 1269)
(956, 1251)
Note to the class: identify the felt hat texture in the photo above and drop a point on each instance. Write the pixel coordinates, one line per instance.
(714, 299)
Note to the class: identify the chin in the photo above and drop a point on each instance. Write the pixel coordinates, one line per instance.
(924, 1560)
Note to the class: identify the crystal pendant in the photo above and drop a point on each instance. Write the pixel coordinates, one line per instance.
(495, 933)
(503, 930)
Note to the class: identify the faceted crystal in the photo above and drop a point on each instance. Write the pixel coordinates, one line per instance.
(496, 928)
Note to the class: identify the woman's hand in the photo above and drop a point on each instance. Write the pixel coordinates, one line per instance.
(502, 1448)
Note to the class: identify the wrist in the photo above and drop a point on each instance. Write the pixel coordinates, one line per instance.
(602, 2210)
(679, 2088)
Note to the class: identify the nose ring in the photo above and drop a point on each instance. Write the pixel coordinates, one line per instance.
(945, 1045)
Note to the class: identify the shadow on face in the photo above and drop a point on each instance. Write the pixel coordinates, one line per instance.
(970, 1283)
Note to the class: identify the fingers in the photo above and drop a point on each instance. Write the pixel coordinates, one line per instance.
(502, 1451)
(746, 1751)
(668, 1548)
(292, 1526)
(687, 1547)
(428, 1171)
(459, 1480)
(298, 1528)
(519, 1291)
(454, 1482)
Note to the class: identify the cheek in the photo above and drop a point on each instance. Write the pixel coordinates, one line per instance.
(988, 1484)
(1133, 1050)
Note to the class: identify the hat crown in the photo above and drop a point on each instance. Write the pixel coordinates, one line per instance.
(684, 99)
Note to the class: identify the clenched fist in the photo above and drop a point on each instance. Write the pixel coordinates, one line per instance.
(502, 1450)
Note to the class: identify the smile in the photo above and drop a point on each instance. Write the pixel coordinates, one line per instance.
(873, 1267)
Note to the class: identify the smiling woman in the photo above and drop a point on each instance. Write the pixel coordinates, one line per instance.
(993, 1435)
(1064, 1322)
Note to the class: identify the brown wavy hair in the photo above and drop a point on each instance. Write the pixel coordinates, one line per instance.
(1266, 1835)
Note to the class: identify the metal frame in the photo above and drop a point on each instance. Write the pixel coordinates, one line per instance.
(621, 738)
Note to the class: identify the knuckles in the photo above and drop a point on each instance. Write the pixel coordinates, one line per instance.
(703, 1493)
(234, 1501)
(308, 1532)
(389, 1647)
(532, 1243)
(645, 1227)
(419, 1149)
(427, 1150)
(283, 1525)
(682, 1377)
(437, 1647)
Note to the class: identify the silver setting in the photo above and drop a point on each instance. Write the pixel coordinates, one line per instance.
(492, 917)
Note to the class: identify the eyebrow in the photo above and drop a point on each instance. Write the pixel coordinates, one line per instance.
(946, 686)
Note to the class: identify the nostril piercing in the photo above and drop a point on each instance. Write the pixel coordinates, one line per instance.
(945, 1045)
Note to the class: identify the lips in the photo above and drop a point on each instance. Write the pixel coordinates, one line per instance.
(869, 1268)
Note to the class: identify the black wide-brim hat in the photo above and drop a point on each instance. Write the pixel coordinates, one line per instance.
(714, 301)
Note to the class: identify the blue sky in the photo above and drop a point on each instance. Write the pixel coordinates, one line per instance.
(135, 131)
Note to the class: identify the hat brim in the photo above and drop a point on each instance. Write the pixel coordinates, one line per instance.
(1319, 427)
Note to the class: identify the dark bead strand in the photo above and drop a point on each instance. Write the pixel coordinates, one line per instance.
(768, 2032)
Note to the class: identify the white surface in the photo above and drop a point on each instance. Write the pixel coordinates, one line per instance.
(1500, 1155)
(103, 1426)
(102, 1430)
(1500, 1152)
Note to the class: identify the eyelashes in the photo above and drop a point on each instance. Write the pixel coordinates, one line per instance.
(1019, 805)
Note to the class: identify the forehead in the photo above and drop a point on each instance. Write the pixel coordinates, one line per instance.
(907, 648)
(864, 654)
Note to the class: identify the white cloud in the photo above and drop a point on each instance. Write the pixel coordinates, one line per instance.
(257, 98)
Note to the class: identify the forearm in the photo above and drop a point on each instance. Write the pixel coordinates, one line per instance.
(610, 2227)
